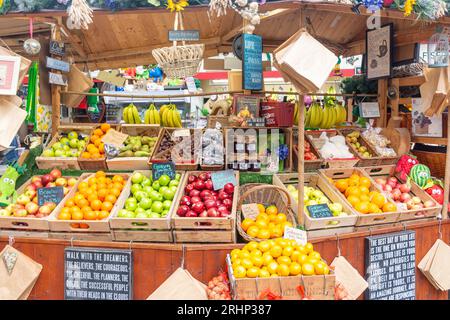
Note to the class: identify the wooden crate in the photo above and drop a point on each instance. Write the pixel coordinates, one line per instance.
(63, 163)
(93, 226)
(318, 182)
(135, 163)
(91, 236)
(288, 141)
(156, 157)
(331, 163)
(149, 229)
(375, 160)
(319, 233)
(401, 145)
(363, 219)
(206, 167)
(416, 191)
(315, 287)
(221, 230)
(23, 233)
(222, 119)
(309, 165)
(26, 223)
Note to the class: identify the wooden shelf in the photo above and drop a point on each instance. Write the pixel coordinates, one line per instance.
(405, 101)
(411, 81)
(428, 140)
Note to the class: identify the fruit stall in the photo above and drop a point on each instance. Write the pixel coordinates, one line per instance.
(239, 194)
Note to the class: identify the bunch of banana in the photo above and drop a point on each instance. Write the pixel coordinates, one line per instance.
(170, 117)
(296, 114)
(130, 115)
(314, 116)
(341, 114)
(151, 115)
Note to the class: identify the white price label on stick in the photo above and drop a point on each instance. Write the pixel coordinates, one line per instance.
(250, 210)
(296, 234)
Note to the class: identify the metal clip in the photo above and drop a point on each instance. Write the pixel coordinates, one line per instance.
(130, 244)
(404, 226)
(370, 231)
(71, 242)
(440, 229)
(338, 245)
(11, 240)
(183, 255)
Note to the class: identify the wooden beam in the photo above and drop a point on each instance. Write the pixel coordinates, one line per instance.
(446, 181)
(73, 41)
(382, 101)
(411, 81)
(429, 140)
(56, 90)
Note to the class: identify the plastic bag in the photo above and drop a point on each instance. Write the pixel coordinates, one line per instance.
(213, 148)
(380, 142)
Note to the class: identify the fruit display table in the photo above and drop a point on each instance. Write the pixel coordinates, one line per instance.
(204, 261)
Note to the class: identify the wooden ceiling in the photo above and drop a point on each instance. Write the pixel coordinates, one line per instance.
(126, 38)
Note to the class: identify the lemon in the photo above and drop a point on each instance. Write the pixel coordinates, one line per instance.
(295, 269)
(264, 273)
(246, 263)
(287, 251)
(256, 253)
(252, 272)
(252, 245)
(276, 251)
(264, 246)
(272, 267)
(239, 272)
(284, 260)
(257, 261)
(283, 270)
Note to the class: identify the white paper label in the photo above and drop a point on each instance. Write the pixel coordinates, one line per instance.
(296, 234)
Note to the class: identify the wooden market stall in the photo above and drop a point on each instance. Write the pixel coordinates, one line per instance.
(126, 38)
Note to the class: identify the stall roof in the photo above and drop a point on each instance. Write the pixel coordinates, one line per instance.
(126, 38)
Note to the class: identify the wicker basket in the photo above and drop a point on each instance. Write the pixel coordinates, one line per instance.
(433, 157)
(265, 194)
(179, 61)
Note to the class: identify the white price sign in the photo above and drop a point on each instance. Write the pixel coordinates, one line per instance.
(369, 110)
(296, 234)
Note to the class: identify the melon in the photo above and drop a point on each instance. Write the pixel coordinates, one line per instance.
(420, 174)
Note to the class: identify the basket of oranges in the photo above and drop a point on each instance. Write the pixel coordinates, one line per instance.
(89, 206)
(93, 155)
(272, 216)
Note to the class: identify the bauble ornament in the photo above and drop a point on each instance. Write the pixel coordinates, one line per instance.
(32, 46)
(241, 3)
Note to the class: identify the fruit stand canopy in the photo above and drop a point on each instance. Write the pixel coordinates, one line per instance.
(126, 38)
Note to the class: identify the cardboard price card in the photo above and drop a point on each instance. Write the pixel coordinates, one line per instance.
(250, 210)
(114, 138)
(221, 178)
(296, 234)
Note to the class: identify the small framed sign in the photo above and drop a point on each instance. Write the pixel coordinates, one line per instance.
(57, 48)
(296, 234)
(369, 110)
(52, 194)
(59, 79)
(318, 211)
(58, 64)
(379, 50)
(9, 75)
(221, 178)
(252, 69)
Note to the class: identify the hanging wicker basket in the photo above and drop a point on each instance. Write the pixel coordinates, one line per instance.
(179, 61)
(265, 194)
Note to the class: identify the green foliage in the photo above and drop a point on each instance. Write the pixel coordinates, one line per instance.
(359, 84)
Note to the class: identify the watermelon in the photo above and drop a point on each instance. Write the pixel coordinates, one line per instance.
(420, 174)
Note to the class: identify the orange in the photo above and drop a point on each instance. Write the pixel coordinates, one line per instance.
(78, 197)
(101, 180)
(379, 200)
(101, 147)
(86, 155)
(96, 205)
(263, 217)
(98, 132)
(364, 182)
(119, 179)
(93, 150)
(115, 192)
(90, 147)
(308, 269)
(84, 226)
(102, 193)
(362, 207)
(64, 216)
(108, 181)
(75, 209)
(101, 186)
(246, 223)
(83, 185)
(276, 232)
(90, 215)
(103, 215)
(70, 203)
(342, 185)
(389, 207)
(271, 210)
(92, 197)
(353, 181)
(111, 198)
(78, 215)
(65, 210)
(105, 127)
(263, 234)
(283, 270)
(354, 200)
(372, 194)
(107, 206)
(261, 208)
(92, 181)
(261, 224)
(75, 225)
(352, 191)
(82, 203)
(100, 174)
(281, 218)
(117, 185)
(364, 198)
(373, 208)
(252, 231)
(97, 143)
(364, 190)
(86, 209)
(96, 156)
(295, 269)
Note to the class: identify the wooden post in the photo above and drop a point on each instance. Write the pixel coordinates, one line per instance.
(382, 101)
(350, 110)
(447, 181)
(56, 90)
(301, 159)
(395, 102)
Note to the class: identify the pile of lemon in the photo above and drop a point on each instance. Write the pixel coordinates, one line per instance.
(268, 224)
(277, 258)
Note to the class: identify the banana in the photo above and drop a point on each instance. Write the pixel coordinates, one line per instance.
(325, 119)
(308, 118)
(156, 117)
(136, 117)
(316, 116)
(176, 118)
(130, 115)
(125, 115)
(147, 117)
(150, 116)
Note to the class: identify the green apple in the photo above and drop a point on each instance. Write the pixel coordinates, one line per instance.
(322, 200)
(178, 177)
(161, 190)
(72, 135)
(174, 183)
(156, 185)
(147, 190)
(81, 144)
(59, 153)
(145, 203)
(122, 213)
(64, 140)
(139, 210)
(317, 194)
(168, 194)
(141, 215)
(131, 204)
(167, 204)
(173, 189)
(48, 153)
(129, 215)
(157, 207)
(139, 195)
(137, 178)
(155, 196)
(57, 146)
(336, 208)
(146, 182)
(135, 188)
(153, 215)
(164, 213)
(73, 143)
(164, 180)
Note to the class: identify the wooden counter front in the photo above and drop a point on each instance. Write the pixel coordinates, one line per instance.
(153, 263)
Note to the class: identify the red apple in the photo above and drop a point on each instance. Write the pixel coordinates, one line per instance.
(203, 176)
(39, 215)
(61, 182)
(191, 214)
(388, 188)
(36, 179)
(380, 181)
(228, 203)
(31, 187)
(204, 214)
(199, 185)
(198, 207)
(213, 212)
(196, 199)
(50, 185)
(223, 195)
(218, 203)
(194, 193)
(392, 184)
(192, 178)
(396, 194)
(71, 182)
(35, 200)
(20, 213)
(32, 208)
(205, 193)
(223, 210)
(189, 187)
(210, 203)
(30, 193)
(428, 204)
(185, 200)
(209, 185)
(46, 179)
(51, 205)
(392, 180)
(55, 173)
(182, 210)
(410, 204)
(405, 197)
(23, 199)
(208, 175)
(417, 206)
(228, 188)
(45, 210)
(404, 188)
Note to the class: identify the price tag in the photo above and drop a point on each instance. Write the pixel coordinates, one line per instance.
(296, 234)
(162, 168)
(369, 110)
(250, 210)
(52, 194)
(190, 83)
(181, 133)
(114, 138)
(318, 211)
(221, 178)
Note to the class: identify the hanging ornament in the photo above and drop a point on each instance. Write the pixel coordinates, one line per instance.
(31, 46)
(219, 7)
(254, 6)
(80, 15)
(241, 3)
(9, 259)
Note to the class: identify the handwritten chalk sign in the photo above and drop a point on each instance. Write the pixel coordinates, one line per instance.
(98, 274)
(250, 210)
(52, 194)
(57, 64)
(57, 48)
(252, 68)
(162, 168)
(221, 178)
(114, 137)
(318, 211)
(296, 234)
(184, 35)
(391, 266)
(59, 79)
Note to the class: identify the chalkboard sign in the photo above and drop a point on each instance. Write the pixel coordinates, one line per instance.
(52, 194)
(58, 64)
(221, 178)
(318, 211)
(98, 274)
(161, 168)
(184, 35)
(391, 266)
(57, 48)
(252, 69)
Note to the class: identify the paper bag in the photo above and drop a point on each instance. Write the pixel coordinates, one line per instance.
(439, 269)
(77, 81)
(434, 90)
(180, 286)
(24, 63)
(12, 117)
(349, 278)
(18, 283)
